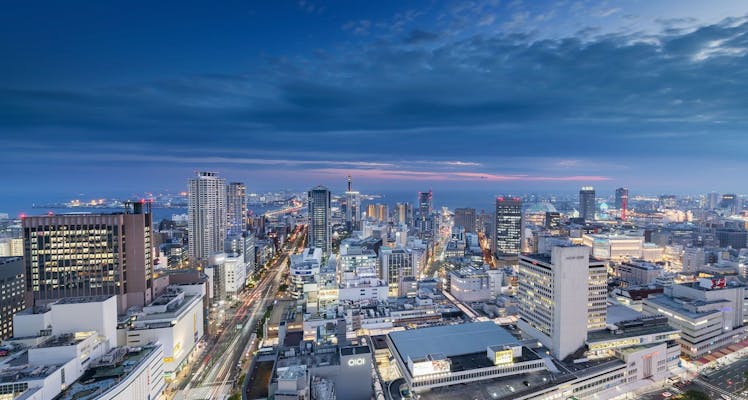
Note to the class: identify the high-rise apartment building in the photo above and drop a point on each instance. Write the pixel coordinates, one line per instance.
(587, 203)
(465, 217)
(13, 288)
(207, 220)
(78, 255)
(236, 208)
(562, 296)
(318, 207)
(507, 226)
(352, 206)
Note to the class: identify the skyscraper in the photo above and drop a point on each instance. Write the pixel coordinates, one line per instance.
(404, 213)
(465, 217)
(587, 203)
(507, 226)
(622, 201)
(207, 215)
(236, 208)
(424, 211)
(352, 206)
(562, 296)
(713, 200)
(90, 254)
(318, 206)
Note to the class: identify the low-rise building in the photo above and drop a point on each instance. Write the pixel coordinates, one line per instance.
(175, 319)
(710, 313)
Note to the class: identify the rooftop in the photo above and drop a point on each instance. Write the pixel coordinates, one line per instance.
(632, 328)
(353, 350)
(508, 387)
(617, 313)
(98, 380)
(67, 339)
(79, 300)
(450, 340)
(678, 306)
(467, 362)
(322, 356)
(170, 314)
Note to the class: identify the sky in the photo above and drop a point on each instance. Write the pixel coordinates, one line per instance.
(111, 97)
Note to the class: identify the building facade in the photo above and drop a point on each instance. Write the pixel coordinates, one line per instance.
(587, 203)
(236, 208)
(13, 288)
(561, 297)
(507, 236)
(207, 215)
(465, 217)
(90, 254)
(320, 231)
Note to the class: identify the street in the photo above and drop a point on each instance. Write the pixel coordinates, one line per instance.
(212, 376)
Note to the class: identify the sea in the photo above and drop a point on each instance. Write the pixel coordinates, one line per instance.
(15, 205)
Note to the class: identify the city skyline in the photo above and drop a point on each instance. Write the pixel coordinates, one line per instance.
(485, 95)
(339, 199)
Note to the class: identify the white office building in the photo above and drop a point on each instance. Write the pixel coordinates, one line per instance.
(710, 313)
(174, 319)
(614, 246)
(562, 296)
(475, 284)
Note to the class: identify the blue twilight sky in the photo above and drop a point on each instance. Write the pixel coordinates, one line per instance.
(503, 95)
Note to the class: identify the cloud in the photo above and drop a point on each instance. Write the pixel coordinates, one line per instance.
(458, 103)
(429, 176)
(418, 36)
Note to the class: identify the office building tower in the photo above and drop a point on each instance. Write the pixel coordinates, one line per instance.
(383, 212)
(371, 211)
(587, 203)
(713, 199)
(731, 203)
(404, 214)
(207, 215)
(13, 288)
(424, 211)
(396, 264)
(236, 208)
(465, 217)
(507, 226)
(622, 201)
(562, 296)
(79, 255)
(318, 207)
(352, 206)
(552, 220)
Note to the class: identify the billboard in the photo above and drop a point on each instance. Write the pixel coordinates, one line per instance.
(503, 357)
(427, 367)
